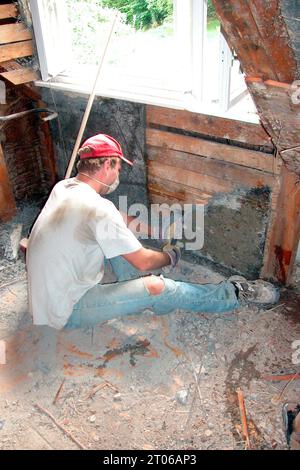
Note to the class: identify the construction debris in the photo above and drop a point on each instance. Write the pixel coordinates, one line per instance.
(182, 397)
(244, 418)
(60, 426)
(279, 377)
(58, 392)
(9, 241)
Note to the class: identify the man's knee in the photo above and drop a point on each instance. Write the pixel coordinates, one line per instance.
(155, 285)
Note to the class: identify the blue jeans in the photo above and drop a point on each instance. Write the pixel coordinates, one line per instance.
(129, 296)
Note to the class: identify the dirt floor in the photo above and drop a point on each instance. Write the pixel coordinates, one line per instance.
(146, 382)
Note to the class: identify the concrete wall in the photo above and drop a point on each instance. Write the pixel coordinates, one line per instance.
(121, 119)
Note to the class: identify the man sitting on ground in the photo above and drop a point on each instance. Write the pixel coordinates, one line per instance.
(78, 229)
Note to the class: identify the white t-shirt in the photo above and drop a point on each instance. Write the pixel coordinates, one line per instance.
(76, 229)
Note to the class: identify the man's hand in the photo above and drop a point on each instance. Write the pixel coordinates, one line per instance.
(174, 253)
(146, 259)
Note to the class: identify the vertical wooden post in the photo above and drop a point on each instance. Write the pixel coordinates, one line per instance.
(7, 200)
(284, 230)
(47, 149)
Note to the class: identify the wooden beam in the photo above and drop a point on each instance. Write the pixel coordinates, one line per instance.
(47, 149)
(248, 133)
(279, 113)
(258, 34)
(16, 50)
(23, 75)
(8, 11)
(7, 200)
(249, 158)
(284, 229)
(14, 33)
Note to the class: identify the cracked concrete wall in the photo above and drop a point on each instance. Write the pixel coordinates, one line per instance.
(125, 121)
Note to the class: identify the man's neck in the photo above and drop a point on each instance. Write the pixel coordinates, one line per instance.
(97, 186)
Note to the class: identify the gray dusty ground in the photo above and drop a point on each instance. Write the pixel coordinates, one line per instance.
(166, 382)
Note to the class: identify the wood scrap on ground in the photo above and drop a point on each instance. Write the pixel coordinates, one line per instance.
(62, 428)
(281, 377)
(99, 387)
(242, 407)
(58, 392)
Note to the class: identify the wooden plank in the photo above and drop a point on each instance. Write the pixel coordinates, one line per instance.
(160, 198)
(253, 134)
(8, 11)
(27, 89)
(206, 148)
(259, 36)
(14, 51)
(284, 229)
(242, 176)
(7, 200)
(23, 75)
(179, 188)
(189, 178)
(14, 33)
(176, 191)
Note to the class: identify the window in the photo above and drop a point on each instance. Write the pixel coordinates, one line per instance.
(166, 52)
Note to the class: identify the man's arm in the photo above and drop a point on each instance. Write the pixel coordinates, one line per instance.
(146, 259)
(142, 228)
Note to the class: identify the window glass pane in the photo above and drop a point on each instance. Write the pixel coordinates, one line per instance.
(144, 44)
(211, 56)
(224, 83)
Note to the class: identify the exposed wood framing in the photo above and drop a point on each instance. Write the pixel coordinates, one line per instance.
(15, 42)
(280, 115)
(284, 229)
(257, 32)
(28, 89)
(247, 133)
(231, 154)
(189, 169)
(14, 33)
(47, 149)
(15, 50)
(8, 11)
(17, 77)
(7, 201)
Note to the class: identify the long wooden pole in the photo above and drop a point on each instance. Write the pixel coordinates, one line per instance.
(90, 102)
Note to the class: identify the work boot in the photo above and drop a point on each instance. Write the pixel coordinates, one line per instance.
(257, 292)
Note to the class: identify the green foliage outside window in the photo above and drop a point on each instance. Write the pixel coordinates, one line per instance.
(211, 12)
(143, 14)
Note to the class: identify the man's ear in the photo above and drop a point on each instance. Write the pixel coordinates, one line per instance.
(106, 165)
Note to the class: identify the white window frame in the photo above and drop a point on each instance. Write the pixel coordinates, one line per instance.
(190, 19)
(54, 50)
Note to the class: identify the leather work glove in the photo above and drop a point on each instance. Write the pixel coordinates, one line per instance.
(174, 253)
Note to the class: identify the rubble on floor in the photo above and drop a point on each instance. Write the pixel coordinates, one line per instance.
(146, 381)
